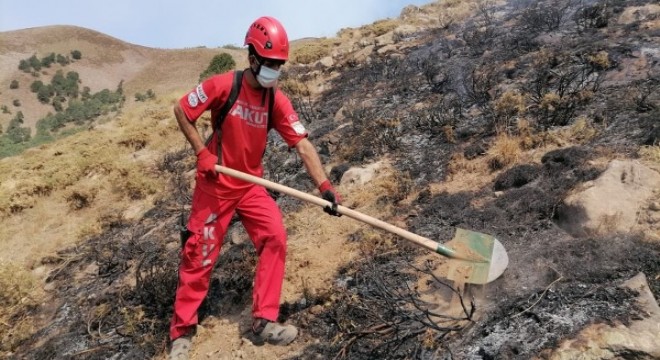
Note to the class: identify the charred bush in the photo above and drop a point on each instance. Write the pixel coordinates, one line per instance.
(564, 168)
(594, 16)
(654, 137)
(645, 94)
(431, 70)
(478, 39)
(517, 176)
(572, 157)
(527, 205)
(517, 43)
(475, 150)
(440, 119)
(479, 84)
(559, 87)
(371, 134)
(377, 313)
(444, 211)
(542, 16)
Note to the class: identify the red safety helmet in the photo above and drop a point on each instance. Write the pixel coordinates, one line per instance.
(269, 38)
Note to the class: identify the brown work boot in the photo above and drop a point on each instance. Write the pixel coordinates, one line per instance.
(180, 348)
(274, 333)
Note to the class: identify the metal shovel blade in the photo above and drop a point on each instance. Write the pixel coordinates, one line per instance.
(476, 245)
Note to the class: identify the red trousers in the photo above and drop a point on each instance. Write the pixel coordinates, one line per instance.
(208, 223)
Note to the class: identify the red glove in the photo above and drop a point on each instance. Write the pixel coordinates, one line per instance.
(206, 163)
(329, 193)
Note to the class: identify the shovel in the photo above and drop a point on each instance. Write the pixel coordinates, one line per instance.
(483, 258)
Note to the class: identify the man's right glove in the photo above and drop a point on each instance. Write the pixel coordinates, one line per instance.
(329, 193)
(206, 163)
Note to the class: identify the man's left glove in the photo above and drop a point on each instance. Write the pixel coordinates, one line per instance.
(329, 193)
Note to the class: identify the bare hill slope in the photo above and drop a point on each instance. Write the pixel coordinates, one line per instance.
(105, 62)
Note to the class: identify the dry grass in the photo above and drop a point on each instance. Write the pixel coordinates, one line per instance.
(309, 51)
(505, 151)
(581, 132)
(110, 169)
(380, 27)
(650, 154)
(464, 175)
(453, 11)
(294, 87)
(20, 292)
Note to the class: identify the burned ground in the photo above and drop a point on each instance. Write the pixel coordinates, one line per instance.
(555, 285)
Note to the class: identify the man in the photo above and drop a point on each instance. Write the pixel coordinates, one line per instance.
(239, 143)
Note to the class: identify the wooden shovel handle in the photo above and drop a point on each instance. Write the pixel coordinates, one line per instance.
(419, 240)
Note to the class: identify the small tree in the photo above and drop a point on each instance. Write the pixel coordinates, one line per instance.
(35, 63)
(16, 102)
(15, 132)
(14, 84)
(76, 55)
(86, 93)
(46, 61)
(219, 64)
(63, 60)
(24, 66)
(36, 86)
(57, 104)
(140, 97)
(45, 93)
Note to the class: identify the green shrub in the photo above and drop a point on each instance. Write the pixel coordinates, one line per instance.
(219, 64)
(24, 66)
(76, 54)
(46, 61)
(36, 86)
(15, 132)
(62, 60)
(45, 93)
(16, 102)
(57, 104)
(35, 63)
(144, 97)
(66, 86)
(14, 84)
(5, 109)
(86, 93)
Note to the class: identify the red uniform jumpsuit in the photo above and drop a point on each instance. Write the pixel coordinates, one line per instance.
(244, 135)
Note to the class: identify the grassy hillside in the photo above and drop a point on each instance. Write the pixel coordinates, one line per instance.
(105, 62)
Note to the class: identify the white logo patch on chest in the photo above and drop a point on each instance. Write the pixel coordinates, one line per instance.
(252, 115)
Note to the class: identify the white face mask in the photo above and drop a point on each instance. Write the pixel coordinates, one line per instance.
(267, 77)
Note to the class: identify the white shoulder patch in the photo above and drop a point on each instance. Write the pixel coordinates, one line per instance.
(299, 128)
(192, 99)
(201, 94)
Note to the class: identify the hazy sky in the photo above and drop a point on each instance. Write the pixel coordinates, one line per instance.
(178, 24)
